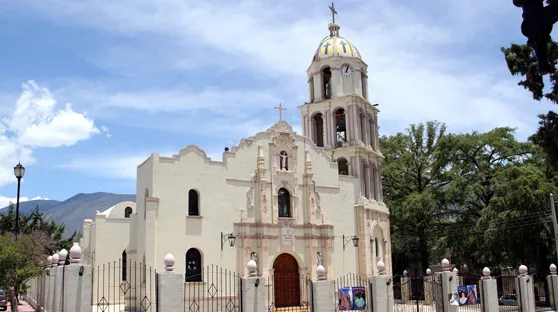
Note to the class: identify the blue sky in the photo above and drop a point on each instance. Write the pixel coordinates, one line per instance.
(89, 89)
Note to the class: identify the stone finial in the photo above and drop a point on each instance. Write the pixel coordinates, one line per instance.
(75, 254)
(523, 270)
(63, 254)
(307, 162)
(553, 269)
(169, 263)
(486, 273)
(455, 270)
(252, 267)
(428, 271)
(260, 151)
(48, 262)
(405, 273)
(321, 272)
(445, 265)
(381, 268)
(55, 259)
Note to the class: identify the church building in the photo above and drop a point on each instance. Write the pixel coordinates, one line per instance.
(277, 197)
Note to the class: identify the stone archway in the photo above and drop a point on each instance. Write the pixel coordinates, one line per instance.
(286, 281)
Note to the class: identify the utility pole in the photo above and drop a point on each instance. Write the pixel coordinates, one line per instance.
(554, 222)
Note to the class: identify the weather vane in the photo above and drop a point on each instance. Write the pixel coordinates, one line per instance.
(333, 11)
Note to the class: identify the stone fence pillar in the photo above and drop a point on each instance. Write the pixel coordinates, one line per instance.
(253, 290)
(552, 280)
(381, 287)
(78, 283)
(323, 292)
(171, 288)
(59, 280)
(488, 292)
(448, 281)
(49, 285)
(405, 288)
(525, 291)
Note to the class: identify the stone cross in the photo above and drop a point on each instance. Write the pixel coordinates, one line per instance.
(281, 109)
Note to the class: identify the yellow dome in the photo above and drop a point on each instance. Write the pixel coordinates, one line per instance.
(334, 45)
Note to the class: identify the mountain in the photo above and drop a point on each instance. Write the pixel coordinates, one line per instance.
(74, 210)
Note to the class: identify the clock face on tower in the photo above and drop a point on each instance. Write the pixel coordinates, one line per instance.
(346, 70)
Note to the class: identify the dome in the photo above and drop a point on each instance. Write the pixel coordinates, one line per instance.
(335, 45)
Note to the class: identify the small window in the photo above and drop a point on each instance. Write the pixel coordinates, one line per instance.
(127, 212)
(193, 203)
(343, 166)
(193, 266)
(284, 203)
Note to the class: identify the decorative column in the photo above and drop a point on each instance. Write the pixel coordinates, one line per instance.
(323, 292)
(449, 286)
(488, 292)
(170, 288)
(253, 290)
(524, 286)
(382, 290)
(552, 280)
(58, 284)
(78, 283)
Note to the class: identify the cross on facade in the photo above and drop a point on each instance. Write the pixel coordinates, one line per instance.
(333, 11)
(281, 109)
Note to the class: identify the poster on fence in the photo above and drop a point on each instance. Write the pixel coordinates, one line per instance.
(467, 295)
(351, 298)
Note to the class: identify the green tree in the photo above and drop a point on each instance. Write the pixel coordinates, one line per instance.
(36, 221)
(516, 226)
(521, 61)
(476, 159)
(414, 173)
(20, 260)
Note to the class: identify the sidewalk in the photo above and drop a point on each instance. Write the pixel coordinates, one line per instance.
(24, 307)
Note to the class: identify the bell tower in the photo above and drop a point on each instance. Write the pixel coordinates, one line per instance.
(338, 116)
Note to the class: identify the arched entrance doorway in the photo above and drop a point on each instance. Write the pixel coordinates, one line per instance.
(286, 281)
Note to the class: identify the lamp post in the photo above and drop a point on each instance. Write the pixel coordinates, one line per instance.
(19, 171)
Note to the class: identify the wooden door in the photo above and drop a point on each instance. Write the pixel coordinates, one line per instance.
(286, 281)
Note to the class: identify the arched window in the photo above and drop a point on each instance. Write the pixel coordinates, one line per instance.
(127, 212)
(363, 127)
(145, 204)
(193, 203)
(340, 127)
(326, 83)
(193, 266)
(124, 265)
(371, 133)
(284, 203)
(343, 166)
(284, 160)
(318, 133)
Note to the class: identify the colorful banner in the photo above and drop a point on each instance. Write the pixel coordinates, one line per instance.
(351, 298)
(467, 295)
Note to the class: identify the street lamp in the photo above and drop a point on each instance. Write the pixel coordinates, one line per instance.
(354, 239)
(227, 237)
(19, 171)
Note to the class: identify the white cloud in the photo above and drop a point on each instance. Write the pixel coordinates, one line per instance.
(35, 122)
(421, 66)
(6, 201)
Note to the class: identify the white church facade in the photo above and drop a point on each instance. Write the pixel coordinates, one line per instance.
(277, 196)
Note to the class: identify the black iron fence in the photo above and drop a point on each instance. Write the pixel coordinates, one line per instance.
(119, 286)
(416, 293)
(352, 292)
(289, 291)
(213, 289)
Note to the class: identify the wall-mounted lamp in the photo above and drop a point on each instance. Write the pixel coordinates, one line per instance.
(227, 237)
(347, 239)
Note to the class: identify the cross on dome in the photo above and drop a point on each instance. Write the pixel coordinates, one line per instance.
(333, 11)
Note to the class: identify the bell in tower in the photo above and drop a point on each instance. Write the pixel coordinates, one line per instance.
(338, 117)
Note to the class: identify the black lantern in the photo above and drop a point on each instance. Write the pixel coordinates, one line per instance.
(227, 237)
